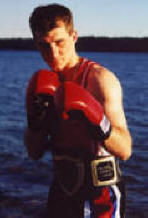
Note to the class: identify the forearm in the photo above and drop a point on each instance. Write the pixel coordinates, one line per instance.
(36, 143)
(119, 143)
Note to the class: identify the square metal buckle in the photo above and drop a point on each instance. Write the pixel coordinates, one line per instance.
(104, 171)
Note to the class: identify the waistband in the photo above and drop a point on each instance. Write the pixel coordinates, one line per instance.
(74, 173)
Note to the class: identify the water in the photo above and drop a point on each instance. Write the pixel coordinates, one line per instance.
(24, 183)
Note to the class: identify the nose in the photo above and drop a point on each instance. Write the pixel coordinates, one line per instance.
(54, 51)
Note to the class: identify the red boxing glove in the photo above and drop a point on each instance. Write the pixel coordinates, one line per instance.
(80, 104)
(39, 100)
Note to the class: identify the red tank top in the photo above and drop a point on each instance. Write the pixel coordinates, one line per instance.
(74, 134)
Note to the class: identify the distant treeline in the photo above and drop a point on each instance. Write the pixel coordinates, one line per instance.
(88, 43)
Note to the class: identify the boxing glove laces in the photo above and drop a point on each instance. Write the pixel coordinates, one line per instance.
(41, 112)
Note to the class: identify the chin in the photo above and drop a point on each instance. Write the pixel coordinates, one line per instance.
(56, 68)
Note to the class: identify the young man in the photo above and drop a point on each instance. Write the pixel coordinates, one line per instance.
(84, 117)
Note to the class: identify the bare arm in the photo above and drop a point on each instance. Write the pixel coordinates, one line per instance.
(109, 93)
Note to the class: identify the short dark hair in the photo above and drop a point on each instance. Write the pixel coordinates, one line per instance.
(44, 18)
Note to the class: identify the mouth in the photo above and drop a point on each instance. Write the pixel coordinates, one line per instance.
(56, 63)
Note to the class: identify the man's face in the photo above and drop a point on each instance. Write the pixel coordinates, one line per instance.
(57, 47)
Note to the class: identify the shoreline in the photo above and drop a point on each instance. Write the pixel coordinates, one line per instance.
(85, 44)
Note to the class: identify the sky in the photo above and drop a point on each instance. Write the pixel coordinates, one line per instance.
(112, 18)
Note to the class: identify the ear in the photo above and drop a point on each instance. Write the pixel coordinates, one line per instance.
(75, 36)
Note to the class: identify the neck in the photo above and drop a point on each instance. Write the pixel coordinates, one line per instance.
(71, 68)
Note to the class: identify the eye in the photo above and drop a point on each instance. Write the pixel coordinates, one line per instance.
(60, 42)
(44, 45)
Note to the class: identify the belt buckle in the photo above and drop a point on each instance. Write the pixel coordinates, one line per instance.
(104, 171)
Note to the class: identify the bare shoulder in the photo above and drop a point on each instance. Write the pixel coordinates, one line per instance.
(106, 88)
(103, 83)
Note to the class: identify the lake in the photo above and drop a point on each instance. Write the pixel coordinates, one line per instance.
(24, 183)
